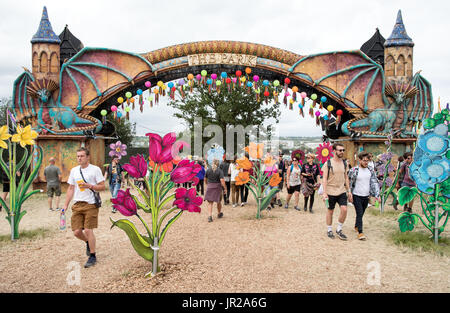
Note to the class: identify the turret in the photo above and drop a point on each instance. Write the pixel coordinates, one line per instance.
(45, 51)
(398, 54)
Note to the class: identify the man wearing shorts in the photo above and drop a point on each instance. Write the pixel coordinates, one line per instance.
(336, 189)
(84, 212)
(53, 177)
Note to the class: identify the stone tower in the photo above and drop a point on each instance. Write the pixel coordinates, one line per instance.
(45, 51)
(398, 54)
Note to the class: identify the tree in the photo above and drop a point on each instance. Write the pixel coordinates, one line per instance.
(227, 108)
(125, 132)
(3, 105)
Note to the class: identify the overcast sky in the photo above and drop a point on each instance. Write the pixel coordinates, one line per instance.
(303, 27)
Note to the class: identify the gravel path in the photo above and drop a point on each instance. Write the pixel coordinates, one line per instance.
(286, 251)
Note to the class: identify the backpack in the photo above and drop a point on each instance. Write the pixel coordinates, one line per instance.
(329, 166)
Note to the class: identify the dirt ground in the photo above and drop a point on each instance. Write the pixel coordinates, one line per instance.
(286, 251)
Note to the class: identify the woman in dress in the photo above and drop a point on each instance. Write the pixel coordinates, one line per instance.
(214, 180)
(310, 181)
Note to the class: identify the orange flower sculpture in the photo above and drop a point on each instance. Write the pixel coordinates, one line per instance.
(269, 161)
(275, 180)
(244, 164)
(254, 150)
(242, 178)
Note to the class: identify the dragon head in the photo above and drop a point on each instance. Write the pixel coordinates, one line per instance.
(400, 92)
(42, 89)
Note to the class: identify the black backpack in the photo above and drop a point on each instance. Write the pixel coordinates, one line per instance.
(329, 166)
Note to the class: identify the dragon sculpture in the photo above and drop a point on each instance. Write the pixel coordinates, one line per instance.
(86, 80)
(381, 121)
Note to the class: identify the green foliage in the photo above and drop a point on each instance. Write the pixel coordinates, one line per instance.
(227, 108)
(28, 234)
(407, 221)
(406, 194)
(422, 242)
(139, 242)
(125, 130)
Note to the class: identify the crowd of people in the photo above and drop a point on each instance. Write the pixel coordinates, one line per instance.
(337, 182)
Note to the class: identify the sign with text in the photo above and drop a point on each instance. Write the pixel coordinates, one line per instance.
(222, 58)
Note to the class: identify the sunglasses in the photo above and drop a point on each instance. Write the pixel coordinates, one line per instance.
(340, 150)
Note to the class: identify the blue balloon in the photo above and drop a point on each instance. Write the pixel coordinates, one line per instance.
(224, 74)
(300, 106)
(139, 92)
(170, 85)
(323, 99)
(209, 81)
(119, 114)
(325, 117)
(249, 84)
(266, 82)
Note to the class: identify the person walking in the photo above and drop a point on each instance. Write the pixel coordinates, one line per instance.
(404, 178)
(201, 177)
(224, 166)
(115, 174)
(363, 184)
(336, 189)
(233, 171)
(281, 164)
(310, 181)
(215, 183)
(244, 187)
(293, 183)
(83, 181)
(53, 177)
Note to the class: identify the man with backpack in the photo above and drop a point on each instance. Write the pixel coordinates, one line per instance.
(336, 189)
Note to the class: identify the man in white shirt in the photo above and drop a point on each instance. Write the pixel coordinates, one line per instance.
(83, 181)
(363, 184)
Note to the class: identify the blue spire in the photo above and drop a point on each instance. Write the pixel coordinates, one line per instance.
(399, 37)
(45, 32)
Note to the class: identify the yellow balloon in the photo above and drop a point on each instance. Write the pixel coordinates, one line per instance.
(291, 101)
(164, 87)
(160, 83)
(120, 100)
(330, 108)
(243, 79)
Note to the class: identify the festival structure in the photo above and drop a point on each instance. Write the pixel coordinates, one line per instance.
(367, 93)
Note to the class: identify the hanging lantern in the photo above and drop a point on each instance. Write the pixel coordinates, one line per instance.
(148, 84)
(303, 96)
(218, 84)
(275, 96)
(286, 95)
(127, 110)
(132, 102)
(190, 81)
(228, 82)
(224, 76)
(323, 99)
(209, 82)
(300, 106)
(314, 98)
(330, 109)
(311, 110)
(128, 95)
(249, 86)
(255, 79)
(156, 91)
(114, 110)
(181, 83)
(258, 91)
(294, 93)
(103, 114)
(238, 75)
(317, 118)
(139, 92)
(266, 96)
(120, 100)
(327, 120)
(171, 90)
(248, 71)
(119, 115)
(291, 102)
(150, 99)
(338, 117)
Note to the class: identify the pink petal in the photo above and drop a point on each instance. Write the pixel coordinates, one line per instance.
(154, 136)
(195, 181)
(154, 150)
(112, 146)
(169, 139)
(180, 192)
(192, 193)
(180, 204)
(166, 155)
(197, 201)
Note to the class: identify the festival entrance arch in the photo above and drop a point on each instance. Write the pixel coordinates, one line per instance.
(66, 103)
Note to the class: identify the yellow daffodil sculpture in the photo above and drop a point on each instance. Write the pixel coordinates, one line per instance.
(20, 174)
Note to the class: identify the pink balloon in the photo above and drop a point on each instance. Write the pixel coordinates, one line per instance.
(234, 79)
(287, 94)
(303, 95)
(256, 78)
(214, 76)
(113, 108)
(317, 113)
(198, 77)
(148, 84)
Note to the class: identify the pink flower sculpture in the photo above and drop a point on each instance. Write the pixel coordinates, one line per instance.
(324, 152)
(185, 172)
(137, 167)
(163, 151)
(124, 203)
(118, 149)
(187, 200)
